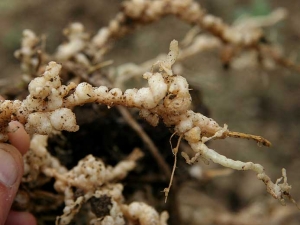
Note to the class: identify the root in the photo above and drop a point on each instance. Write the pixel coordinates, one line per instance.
(260, 140)
(146, 139)
(175, 151)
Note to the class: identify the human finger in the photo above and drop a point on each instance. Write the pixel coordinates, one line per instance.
(18, 137)
(20, 218)
(11, 171)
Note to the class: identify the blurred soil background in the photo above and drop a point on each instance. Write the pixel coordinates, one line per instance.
(252, 100)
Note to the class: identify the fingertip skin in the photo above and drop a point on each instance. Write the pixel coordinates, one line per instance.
(7, 193)
(20, 218)
(19, 138)
(14, 152)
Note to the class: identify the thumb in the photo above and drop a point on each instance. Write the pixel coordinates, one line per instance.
(11, 170)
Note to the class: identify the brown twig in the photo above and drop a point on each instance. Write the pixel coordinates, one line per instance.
(146, 139)
(256, 138)
(279, 58)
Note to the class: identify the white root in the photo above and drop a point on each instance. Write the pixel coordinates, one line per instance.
(143, 214)
(95, 182)
(47, 109)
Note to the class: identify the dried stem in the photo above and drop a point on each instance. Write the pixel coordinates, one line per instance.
(175, 151)
(146, 139)
(258, 139)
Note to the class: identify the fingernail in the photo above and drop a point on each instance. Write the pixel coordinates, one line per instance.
(8, 168)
